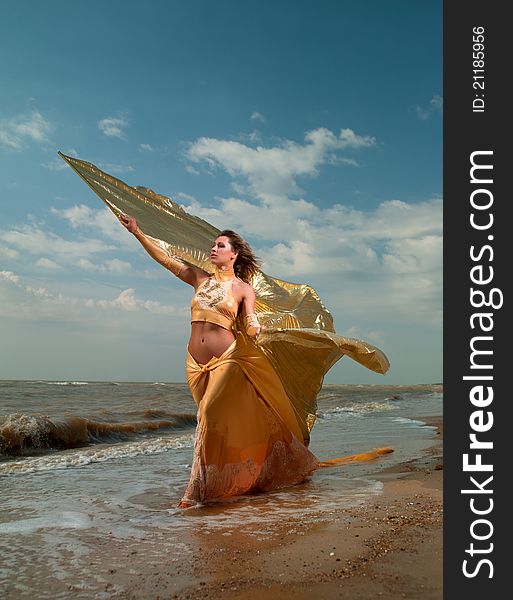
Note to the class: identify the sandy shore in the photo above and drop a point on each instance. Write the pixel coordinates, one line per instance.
(389, 548)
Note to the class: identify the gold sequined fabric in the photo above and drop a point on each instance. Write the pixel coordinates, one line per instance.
(213, 302)
(300, 341)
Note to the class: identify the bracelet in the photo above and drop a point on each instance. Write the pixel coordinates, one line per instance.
(252, 325)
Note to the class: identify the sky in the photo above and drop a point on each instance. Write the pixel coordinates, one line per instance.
(313, 128)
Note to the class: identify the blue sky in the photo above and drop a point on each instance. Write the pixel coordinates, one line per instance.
(313, 128)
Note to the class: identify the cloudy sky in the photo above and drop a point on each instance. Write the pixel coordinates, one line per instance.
(314, 128)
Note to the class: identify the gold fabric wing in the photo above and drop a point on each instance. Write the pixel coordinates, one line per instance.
(299, 339)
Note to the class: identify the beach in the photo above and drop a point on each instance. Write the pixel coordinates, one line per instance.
(99, 520)
(390, 547)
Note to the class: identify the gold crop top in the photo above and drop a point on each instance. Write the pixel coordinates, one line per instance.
(213, 301)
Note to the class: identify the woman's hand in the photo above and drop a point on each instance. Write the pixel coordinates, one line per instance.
(129, 223)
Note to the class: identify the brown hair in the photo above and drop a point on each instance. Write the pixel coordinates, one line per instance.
(246, 264)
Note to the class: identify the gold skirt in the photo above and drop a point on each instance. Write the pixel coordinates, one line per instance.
(247, 437)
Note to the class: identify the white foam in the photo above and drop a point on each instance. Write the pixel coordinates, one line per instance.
(357, 408)
(56, 520)
(412, 422)
(86, 456)
(66, 382)
(315, 501)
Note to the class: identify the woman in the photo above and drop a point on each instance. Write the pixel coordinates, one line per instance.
(248, 435)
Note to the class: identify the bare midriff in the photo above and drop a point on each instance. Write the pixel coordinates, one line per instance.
(208, 340)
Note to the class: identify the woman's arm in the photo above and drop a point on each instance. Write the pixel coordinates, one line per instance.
(251, 323)
(188, 274)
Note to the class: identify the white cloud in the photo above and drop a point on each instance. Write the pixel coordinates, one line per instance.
(385, 260)
(436, 102)
(87, 265)
(117, 266)
(272, 172)
(413, 256)
(22, 128)
(100, 220)
(127, 301)
(56, 164)
(338, 225)
(31, 302)
(146, 148)
(435, 106)
(34, 126)
(34, 240)
(253, 138)
(10, 140)
(190, 169)
(256, 116)
(388, 258)
(82, 251)
(78, 215)
(184, 196)
(114, 127)
(115, 168)
(376, 337)
(47, 263)
(9, 252)
(114, 265)
(9, 276)
(391, 241)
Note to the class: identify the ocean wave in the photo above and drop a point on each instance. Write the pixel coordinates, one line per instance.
(66, 382)
(355, 408)
(89, 456)
(21, 433)
(159, 413)
(412, 422)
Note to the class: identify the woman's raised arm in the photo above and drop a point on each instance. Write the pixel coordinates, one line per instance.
(184, 272)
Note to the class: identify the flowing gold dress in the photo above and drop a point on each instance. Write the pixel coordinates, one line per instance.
(248, 437)
(256, 402)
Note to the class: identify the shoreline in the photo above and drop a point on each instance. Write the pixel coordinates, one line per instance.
(389, 547)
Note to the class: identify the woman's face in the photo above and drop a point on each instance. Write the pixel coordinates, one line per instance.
(222, 253)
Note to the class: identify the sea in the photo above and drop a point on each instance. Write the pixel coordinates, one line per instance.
(83, 463)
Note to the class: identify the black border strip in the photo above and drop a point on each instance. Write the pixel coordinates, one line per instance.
(467, 131)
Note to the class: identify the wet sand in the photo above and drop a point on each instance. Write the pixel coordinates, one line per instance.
(390, 547)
